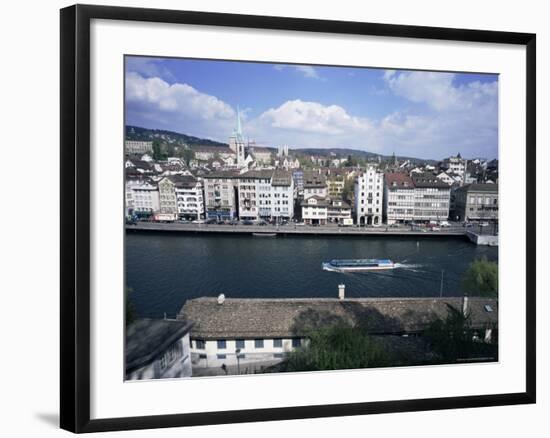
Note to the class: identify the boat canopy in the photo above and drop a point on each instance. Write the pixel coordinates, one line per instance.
(361, 262)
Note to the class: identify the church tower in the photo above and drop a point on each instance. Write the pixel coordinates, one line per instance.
(236, 141)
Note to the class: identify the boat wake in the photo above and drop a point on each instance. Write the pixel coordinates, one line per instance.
(409, 266)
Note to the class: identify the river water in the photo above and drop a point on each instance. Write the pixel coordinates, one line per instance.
(164, 270)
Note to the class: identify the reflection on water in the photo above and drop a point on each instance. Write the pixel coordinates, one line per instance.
(164, 270)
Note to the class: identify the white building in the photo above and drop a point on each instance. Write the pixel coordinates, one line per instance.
(138, 147)
(206, 153)
(398, 198)
(142, 196)
(369, 186)
(431, 198)
(446, 178)
(282, 194)
(189, 197)
(240, 343)
(455, 165)
(266, 194)
(315, 210)
(339, 212)
(260, 154)
(158, 349)
(314, 184)
(167, 197)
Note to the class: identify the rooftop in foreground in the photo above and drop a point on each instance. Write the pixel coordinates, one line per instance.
(293, 317)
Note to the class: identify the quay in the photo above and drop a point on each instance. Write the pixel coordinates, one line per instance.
(305, 230)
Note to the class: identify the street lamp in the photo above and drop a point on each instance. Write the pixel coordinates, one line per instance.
(237, 352)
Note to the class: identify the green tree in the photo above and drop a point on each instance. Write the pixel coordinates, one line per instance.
(188, 155)
(481, 278)
(348, 190)
(169, 150)
(351, 161)
(337, 347)
(453, 338)
(305, 162)
(157, 152)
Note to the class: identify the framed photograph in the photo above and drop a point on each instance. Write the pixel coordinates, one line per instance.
(268, 218)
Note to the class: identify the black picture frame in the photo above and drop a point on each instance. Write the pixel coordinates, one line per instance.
(75, 217)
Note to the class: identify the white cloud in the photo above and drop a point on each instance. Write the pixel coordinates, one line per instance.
(442, 118)
(438, 91)
(451, 117)
(307, 71)
(313, 117)
(177, 106)
(148, 67)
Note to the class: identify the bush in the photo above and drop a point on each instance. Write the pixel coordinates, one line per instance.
(481, 278)
(337, 347)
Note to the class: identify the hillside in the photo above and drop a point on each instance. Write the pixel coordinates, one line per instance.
(176, 138)
(168, 137)
(344, 152)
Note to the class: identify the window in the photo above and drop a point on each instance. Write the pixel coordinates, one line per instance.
(239, 343)
(199, 344)
(221, 356)
(258, 343)
(241, 356)
(277, 343)
(202, 356)
(296, 342)
(222, 345)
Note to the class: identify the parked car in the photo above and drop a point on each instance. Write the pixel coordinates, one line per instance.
(467, 225)
(484, 224)
(444, 224)
(247, 222)
(198, 221)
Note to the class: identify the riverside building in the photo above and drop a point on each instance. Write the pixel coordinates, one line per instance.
(431, 198)
(369, 196)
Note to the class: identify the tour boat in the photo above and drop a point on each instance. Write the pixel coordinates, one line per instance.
(358, 265)
(264, 234)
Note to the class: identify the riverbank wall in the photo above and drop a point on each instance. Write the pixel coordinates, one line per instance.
(326, 231)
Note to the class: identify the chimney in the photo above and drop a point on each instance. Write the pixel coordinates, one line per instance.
(341, 291)
(221, 298)
(465, 305)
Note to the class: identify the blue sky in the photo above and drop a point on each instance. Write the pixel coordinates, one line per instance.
(421, 114)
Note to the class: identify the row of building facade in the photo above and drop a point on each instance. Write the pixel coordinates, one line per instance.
(389, 198)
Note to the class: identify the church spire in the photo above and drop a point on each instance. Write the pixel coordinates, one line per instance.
(239, 130)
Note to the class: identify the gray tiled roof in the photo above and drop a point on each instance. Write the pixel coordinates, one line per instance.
(281, 178)
(147, 338)
(321, 202)
(249, 318)
(428, 180)
(485, 188)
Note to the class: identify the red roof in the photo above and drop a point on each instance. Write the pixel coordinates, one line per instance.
(399, 180)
